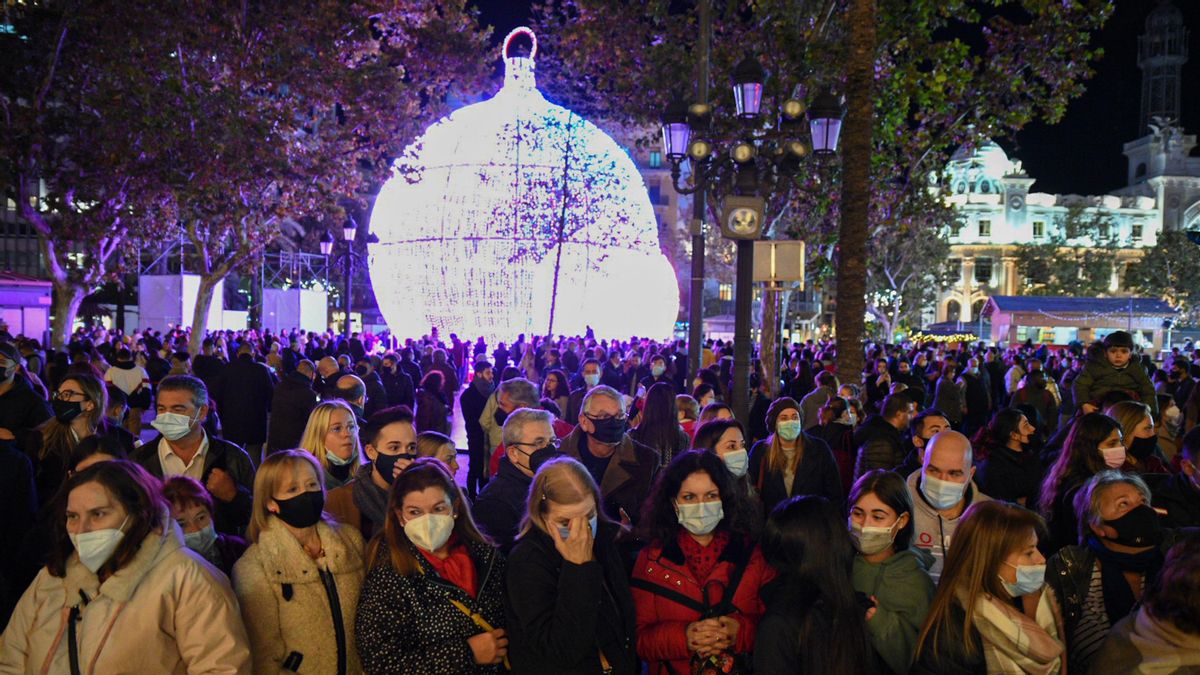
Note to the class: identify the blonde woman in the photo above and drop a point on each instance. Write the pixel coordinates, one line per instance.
(1141, 438)
(331, 436)
(569, 601)
(299, 581)
(974, 623)
(440, 447)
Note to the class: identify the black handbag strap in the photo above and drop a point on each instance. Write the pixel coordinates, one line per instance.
(726, 605)
(72, 640)
(673, 596)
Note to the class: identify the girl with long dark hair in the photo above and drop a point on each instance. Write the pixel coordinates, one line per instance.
(659, 427)
(1094, 443)
(814, 622)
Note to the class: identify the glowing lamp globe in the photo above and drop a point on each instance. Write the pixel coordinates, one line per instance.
(515, 215)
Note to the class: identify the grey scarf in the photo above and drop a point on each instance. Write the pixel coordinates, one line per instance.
(370, 500)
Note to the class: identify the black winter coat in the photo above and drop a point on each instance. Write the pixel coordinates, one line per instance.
(501, 504)
(230, 517)
(561, 615)
(21, 409)
(878, 444)
(816, 475)
(1179, 496)
(406, 624)
(377, 397)
(399, 387)
(291, 404)
(246, 401)
(1010, 475)
(472, 402)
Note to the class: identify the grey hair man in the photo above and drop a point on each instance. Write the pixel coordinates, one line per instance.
(529, 439)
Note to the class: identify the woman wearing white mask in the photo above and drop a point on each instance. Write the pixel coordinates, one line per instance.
(789, 462)
(192, 509)
(433, 600)
(991, 612)
(569, 607)
(299, 581)
(887, 571)
(120, 591)
(696, 585)
(331, 435)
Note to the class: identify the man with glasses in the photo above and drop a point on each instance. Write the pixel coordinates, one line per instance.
(623, 468)
(529, 440)
(21, 409)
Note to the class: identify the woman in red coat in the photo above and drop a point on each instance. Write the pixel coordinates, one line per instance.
(696, 585)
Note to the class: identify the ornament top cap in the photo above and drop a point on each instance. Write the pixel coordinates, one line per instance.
(518, 70)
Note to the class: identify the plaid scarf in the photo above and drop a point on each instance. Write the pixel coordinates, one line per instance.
(1015, 644)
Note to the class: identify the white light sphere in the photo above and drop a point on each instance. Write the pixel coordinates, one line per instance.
(495, 197)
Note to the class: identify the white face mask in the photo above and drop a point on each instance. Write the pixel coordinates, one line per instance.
(1114, 458)
(430, 531)
(173, 426)
(96, 547)
(942, 494)
(702, 518)
(872, 540)
(338, 461)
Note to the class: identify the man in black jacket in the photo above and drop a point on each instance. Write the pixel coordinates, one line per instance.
(396, 382)
(246, 401)
(501, 503)
(291, 403)
(184, 448)
(377, 398)
(878, 439)
(21, 408)
(472, 401)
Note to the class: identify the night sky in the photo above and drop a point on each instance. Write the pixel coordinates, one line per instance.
(1082, 153)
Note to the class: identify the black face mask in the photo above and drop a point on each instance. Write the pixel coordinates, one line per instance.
(1140, 527)
(500, 416)
(66, 411)
(303, 510)
(386, 464)
(1142, 448)
(361, 371)
(608, 431)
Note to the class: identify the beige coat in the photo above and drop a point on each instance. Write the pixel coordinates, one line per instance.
(284, 602)
(167, 611)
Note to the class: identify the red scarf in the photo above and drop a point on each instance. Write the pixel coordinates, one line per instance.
(458, 568)
(702, 559)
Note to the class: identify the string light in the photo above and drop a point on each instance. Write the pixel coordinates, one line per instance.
(504, 201)
(951, 339)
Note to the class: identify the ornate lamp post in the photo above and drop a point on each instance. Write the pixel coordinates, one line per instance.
(348, 257)
(756, 157)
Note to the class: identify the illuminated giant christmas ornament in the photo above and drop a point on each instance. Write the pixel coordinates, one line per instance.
(514, 215)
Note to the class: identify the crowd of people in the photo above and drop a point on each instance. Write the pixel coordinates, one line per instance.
(297, 505)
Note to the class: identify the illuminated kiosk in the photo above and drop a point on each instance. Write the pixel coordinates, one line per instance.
(514, 215)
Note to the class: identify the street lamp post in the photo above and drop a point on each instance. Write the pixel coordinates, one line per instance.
(348, 257)
(756, 157)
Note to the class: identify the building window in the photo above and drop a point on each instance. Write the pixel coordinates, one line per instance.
(655, 159)
(1039, 229)
(1103, 227)
(985, 228)
(983, 270)
(655, 192)
(725, 292)
(1135, 232)
(956, 267)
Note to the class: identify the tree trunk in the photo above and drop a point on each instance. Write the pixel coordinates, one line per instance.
(204, 298)
(856, 190)
(768, 352)
(67, 299)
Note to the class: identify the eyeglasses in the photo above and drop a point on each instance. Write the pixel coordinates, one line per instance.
(67, 395)
(338, 428)
(605, 418)
(552, 445)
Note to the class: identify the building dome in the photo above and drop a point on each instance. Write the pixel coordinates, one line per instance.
(1165, 15)
(978, 168)
(513, 208)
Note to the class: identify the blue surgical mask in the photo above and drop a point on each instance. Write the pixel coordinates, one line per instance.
(788, 430)
(201, 542)
(593, 523)
(1030, 579)
(942, 494)
(592, 379)
(338, 461)
(173, 426)
(657, 370)
(738, 462)
(702, 518)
